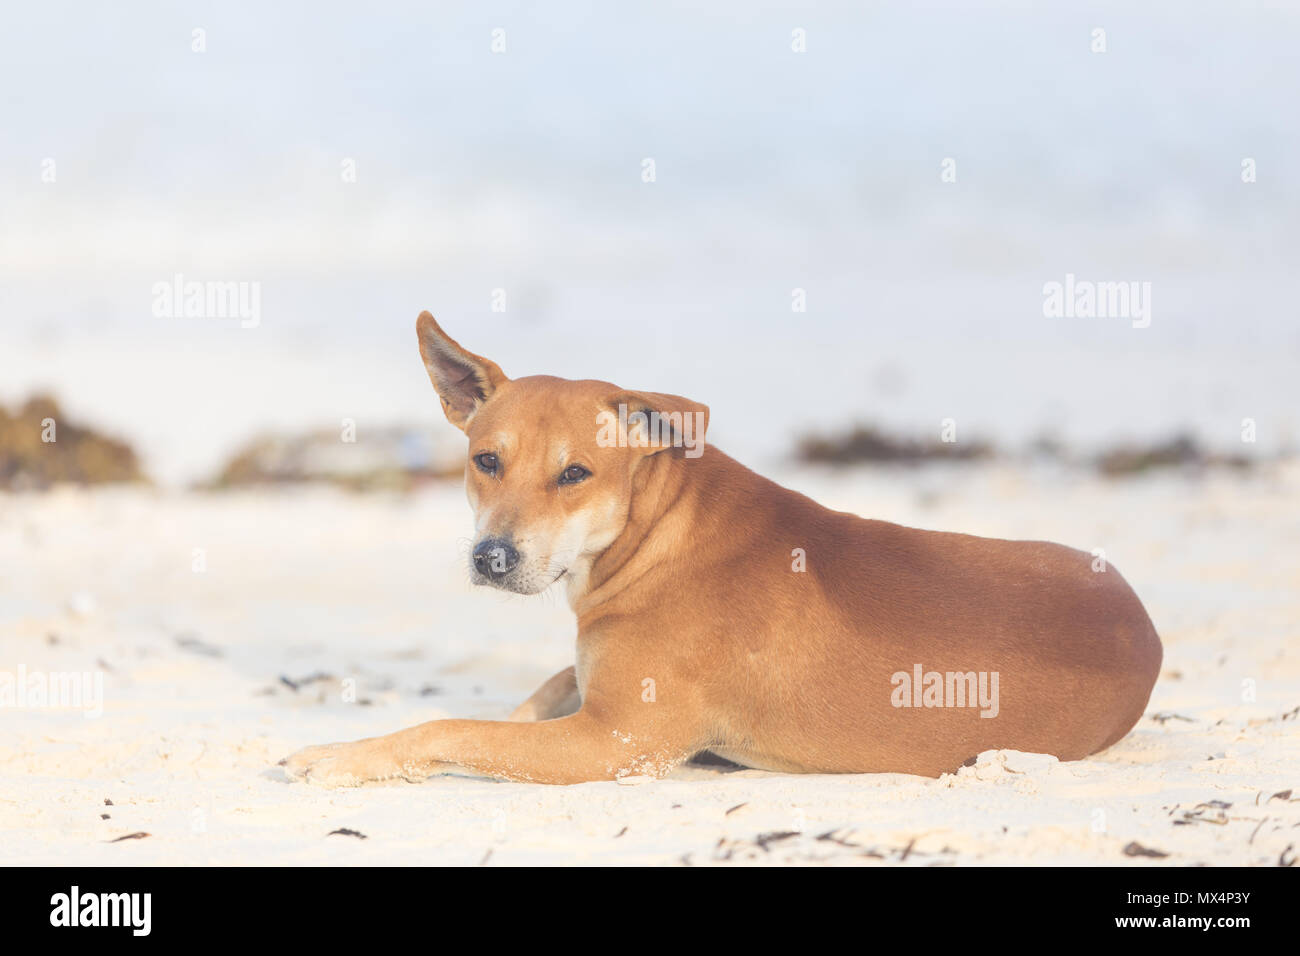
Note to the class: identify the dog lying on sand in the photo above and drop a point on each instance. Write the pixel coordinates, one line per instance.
(718, 611)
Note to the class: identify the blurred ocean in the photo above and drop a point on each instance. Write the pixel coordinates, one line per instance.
(774, 171)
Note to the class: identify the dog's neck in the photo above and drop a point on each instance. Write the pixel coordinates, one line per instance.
(662, 494)
(703, 502)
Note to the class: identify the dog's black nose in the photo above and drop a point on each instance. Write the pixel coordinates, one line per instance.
(495, 558)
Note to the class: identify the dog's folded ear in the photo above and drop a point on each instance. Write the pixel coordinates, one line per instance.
(463, 380)
(654, 422)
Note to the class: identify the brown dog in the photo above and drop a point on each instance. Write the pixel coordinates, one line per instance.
(719, 611)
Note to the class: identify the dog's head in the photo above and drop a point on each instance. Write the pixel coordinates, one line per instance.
(552, 462)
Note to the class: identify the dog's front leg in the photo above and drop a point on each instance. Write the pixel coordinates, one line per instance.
(571, 749)
(558, 697)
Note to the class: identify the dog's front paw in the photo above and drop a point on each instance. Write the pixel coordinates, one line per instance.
(345, 765)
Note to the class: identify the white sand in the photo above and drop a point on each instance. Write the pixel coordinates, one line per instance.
(373, 589)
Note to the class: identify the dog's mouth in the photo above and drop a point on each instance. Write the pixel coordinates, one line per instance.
(519, 583)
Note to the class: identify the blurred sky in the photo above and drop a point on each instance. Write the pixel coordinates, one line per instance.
(775, 170)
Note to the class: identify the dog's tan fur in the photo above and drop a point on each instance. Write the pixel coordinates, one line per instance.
(695, 631)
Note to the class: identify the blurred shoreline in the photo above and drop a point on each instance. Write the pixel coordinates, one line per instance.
(41, 447)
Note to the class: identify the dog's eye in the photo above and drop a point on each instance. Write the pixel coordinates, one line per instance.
(486, 462)
(573, 474)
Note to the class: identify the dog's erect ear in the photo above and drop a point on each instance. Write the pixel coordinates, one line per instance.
(463, 380)
(653, 422)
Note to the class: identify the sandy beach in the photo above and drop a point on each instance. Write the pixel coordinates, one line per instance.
(230, 629)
